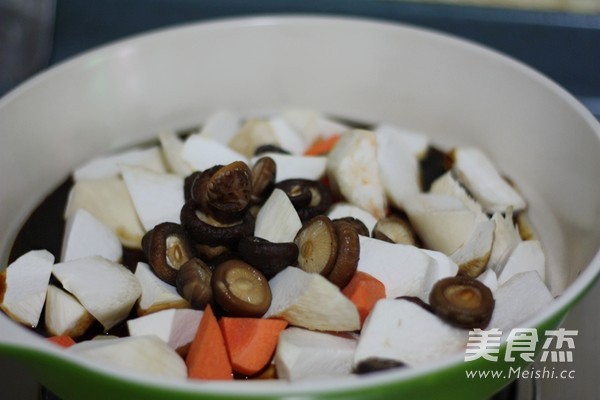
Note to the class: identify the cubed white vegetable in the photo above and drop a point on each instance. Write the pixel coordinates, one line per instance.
(506, 238)
(295, 166)
(277, 221)
(441, 267)
(527, 256)
(311, 301)
(157, 197)
(106, 289)
(288, 138)
(443, 222)
(177, 327)
(479, 175)
(353, 171)
(202, 152)
(172, 147)
(401, 268)
(64, 315)
(312, 125)
(86, 236)
(303, 354)
(398, 167)
(518, 299)
(416, 142)
(221, 126)
(109, 202)
(448, 185)
(403, 331)
(26, 282)
(156, 294)
(342, 209)
(473, 255)
(109, 166)
(146, 355)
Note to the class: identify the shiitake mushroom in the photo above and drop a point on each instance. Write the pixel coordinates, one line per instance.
(462, 302)
(348, 254)
(375, 364)
(360, 226)
(224, 191)
(394, 229)
(310, 198)
(240, 289)
(193, 283)
(203, 229)
(270, 148)
(268, 257)
(317, 242)
(264, 172)
(167, 247)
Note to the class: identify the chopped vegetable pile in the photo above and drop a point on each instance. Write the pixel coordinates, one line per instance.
(288, 247)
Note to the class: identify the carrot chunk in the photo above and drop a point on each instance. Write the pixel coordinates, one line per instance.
(322, 146)
(363, 291)
(62, 340)
(251, 342)
(207, 357)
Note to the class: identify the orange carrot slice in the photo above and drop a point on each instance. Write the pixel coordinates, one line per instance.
(62, 340)
(322, 146)
(207, 357)
(364, 290)
(251, 342)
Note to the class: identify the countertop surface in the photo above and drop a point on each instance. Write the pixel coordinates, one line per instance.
(563, 46)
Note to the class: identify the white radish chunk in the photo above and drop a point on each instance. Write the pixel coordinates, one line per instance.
(398, 167)
(221, 126)
(106, 289)
(254, 133)
(85, 236)
(147, 355)
(342, 210)
(489, 279)
(25, 285)
(472, 257)
(401, 268)
(64, 315)
(441, 267)
(353, 171)
(303, 354)
(447, 185)
(479, 175)
(157, 197)
(403, 331)
(172, 147)
(202, 152)
(519, 298)
(527, 256)
(506, 238)
(176, 327)
(296, 167)
(108, 166)
(417, 143)
(312, 125)
(156, 294)
(288, 138)
(277, 221)
(109, 202)
(444, 223)
(311, 301)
